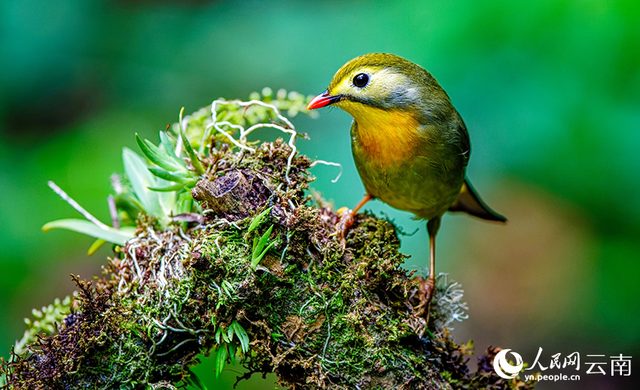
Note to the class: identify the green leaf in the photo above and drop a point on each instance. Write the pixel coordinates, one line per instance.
(221, 336)
(166, 143)
(158, 156)
(179, 177)
(230, 332)
(184, 204)
(97, 244)
(167, 199)
(242, 336)
(171, 188)
(221, 359)
(255, 222)
(258, 252)
(232, 352)
(228, 288)
(115, 236)
(193, 156)
(170, 148)
(141, 179)
(256, 261)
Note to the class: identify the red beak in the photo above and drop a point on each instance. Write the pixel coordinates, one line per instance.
(322, 100)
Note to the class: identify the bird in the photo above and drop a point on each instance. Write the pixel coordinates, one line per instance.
(410, 146)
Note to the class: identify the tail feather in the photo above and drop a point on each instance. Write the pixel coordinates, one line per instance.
(469, 202)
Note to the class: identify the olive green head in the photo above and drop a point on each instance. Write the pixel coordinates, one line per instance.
(381, 80)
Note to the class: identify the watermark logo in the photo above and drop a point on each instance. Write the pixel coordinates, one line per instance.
(503, 368)
(619, 365)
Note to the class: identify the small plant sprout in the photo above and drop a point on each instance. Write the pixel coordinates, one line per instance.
(261, 246)
(159, 184)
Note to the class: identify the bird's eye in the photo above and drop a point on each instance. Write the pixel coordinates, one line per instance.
(361, 80)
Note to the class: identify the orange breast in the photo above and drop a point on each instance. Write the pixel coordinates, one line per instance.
(387, 137)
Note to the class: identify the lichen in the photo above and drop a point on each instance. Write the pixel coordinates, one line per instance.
(255, 275)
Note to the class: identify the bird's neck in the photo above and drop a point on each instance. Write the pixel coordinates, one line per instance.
(386, 137)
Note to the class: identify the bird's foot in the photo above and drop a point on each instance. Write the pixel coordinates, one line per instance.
(424, 294)
(345, 222)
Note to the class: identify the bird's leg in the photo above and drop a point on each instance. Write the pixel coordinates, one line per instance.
(347, 219)
(427, 286)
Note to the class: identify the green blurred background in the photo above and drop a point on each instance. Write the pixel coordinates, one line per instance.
(550, 92)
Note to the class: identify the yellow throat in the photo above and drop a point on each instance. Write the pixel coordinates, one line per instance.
(387, 137)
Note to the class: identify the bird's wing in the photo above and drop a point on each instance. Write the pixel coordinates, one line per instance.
(469, 202)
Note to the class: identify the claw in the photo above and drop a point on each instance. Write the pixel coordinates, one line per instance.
(345, 222)
(347, 218)
(343, 210)
(424, 294)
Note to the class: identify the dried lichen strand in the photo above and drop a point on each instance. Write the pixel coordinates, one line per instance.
(317, 316)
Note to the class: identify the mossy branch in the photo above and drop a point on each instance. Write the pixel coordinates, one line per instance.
(251, 272)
